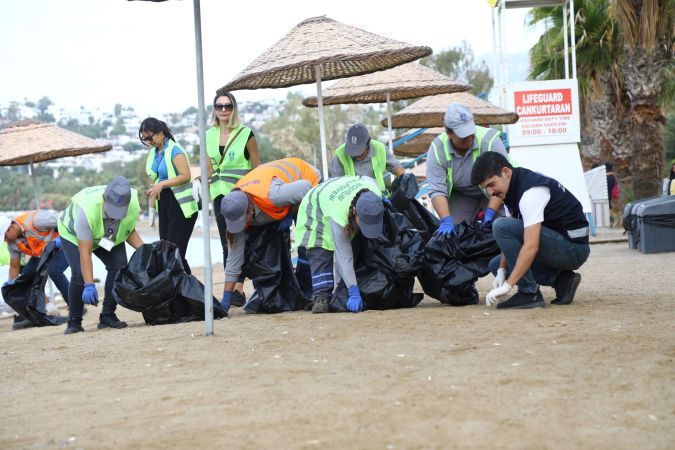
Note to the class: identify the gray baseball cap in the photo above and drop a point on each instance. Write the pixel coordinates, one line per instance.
(116, 198)
(234, 207)
(459, 120)
(370, 210)
(357, 138)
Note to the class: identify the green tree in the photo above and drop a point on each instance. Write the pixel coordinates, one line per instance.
(119, 129)
(118, 110)
(43, 105)
(459, 63)
(13, 112)
(189, 111)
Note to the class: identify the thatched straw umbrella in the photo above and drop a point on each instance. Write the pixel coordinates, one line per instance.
(428, 112)
(419, 144)
(410, 80)
(319, 49)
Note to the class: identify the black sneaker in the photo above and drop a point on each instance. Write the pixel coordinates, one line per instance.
(238, 299)
(523, 300)
(110, 321)
(321, 305)
(565, 287)
(21, 323)
(74, 325)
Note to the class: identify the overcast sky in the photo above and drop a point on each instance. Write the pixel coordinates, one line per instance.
(100, 52)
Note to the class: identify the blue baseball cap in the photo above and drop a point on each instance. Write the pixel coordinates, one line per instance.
(234, 207)
(116, 197)
(370, 211)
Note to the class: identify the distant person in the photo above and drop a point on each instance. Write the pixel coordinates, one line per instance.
(168, 167)
(361, 155)
(28, 234)
(542, 242)
(612, 182)
(98, 220)
(672, 178)
(269, 193)
(450, 159)
(329, 217)
(233, 151)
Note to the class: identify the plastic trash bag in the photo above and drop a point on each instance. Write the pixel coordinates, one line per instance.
(268, 265)
(155, 284)
(404, 190)
(453, 263)
(26, 295)
(385, 268)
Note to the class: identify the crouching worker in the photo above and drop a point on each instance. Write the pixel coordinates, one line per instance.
(98, 220)
(542, 242)
(270, 192)
(328, 218)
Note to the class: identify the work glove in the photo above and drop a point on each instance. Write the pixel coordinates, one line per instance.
(354, 303)
(226, 300)
(500, 278)
(90, 294)
(495, 294)
(8, 283)
(285, 223)
(386, 201)
(445, 227)
(57, 242)
(489, 215)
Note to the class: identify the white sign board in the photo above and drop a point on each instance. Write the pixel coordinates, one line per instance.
(548, 112)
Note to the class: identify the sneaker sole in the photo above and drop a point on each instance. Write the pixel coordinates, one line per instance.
(539, 304)
(102, 326)
(571, 294)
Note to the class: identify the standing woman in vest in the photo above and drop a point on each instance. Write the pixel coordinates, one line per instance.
(99, 220)
(360, 155)
(450, 159)
(233, 152)
(328, 218)
(168, 167)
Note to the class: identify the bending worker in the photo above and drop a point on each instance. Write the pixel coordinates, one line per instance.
(99, 220)
(268, 193)
(29, 234)
(360, 155)
(450, 159)
(328, 218)
(543, 241)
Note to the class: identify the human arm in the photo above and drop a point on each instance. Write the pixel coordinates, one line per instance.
(288, 194)
(438, 185)
(253, 153)
(344, 260)
(135, 240)
(393, 164)
(336, 169)
(528, 252)
(14, 268)
(235, 259)
(85, 248)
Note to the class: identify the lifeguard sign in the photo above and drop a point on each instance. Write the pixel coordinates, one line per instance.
(548, 112)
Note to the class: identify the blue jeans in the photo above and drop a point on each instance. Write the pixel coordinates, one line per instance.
(556, 253)
(57, 266)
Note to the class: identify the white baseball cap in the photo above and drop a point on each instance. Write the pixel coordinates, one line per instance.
(5, 222)
(459, 120)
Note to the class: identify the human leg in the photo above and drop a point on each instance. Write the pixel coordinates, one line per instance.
(75, 287)
(57, 267)
(321, 266)
(113, 260)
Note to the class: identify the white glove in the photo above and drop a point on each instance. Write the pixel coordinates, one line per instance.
(500, 278)
(494, 295)
(197, 189)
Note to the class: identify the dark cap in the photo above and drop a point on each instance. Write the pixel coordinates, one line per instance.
(357, 138)
(116, 198)
(370, 210)
(459, 120)
(234, 207)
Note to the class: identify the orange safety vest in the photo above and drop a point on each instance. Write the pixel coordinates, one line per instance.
(257, 182)
(35, 240)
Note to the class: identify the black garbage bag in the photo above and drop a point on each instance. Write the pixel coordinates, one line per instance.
(26, 295)
(155, 284)
(268, 265)
(385, 268)
(403, 199)
(452, 264)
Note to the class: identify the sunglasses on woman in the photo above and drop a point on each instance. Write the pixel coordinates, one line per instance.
(224, 106)
(147, 139)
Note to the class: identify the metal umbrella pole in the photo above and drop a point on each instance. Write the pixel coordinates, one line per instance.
(322, 130)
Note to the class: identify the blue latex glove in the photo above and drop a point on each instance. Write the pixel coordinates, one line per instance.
(354, 303)
(386, 201)
(226, 300)
(8, 283)
(90, 294)
(445, 227)
(57, 242)
(285, 223)
(489, 215)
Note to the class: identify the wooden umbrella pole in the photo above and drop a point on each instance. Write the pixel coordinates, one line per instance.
(322, 131)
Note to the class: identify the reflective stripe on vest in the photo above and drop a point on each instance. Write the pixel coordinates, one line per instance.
(484, 136)
(257, 182)
(91, 201)
(329, 200)
(183, 193)
(35, 240)
(379, 161)
(234, 165)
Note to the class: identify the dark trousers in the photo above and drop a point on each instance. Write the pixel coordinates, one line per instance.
(57, 266)
(173, 225)
(113, 260)
(222, 226)
(321, 265)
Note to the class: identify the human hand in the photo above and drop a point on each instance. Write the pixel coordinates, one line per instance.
(8, 283)
(90, 294)
(386, 201)
(285, 223)
(57, 242)
(500, 278)
(354, 303)
(154, 191)
(489, 215)
(494, 295)
(445, 227)
(226, 300)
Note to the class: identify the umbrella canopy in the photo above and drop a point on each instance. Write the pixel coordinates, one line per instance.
(31, 141)
(410, 80)
(340, 50)
(419, 144)
(428, 112)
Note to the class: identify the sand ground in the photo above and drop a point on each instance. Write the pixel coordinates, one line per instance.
(596, 374)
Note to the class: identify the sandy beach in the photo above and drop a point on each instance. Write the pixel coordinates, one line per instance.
(594, 374)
